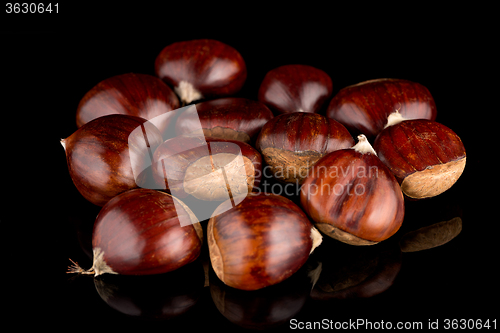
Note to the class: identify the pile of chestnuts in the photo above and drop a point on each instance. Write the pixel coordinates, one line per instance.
(352, 158)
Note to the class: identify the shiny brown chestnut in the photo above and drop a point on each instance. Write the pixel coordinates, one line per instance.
(201, 69)
(131, 94)
(353, 197)
(259, 242)
(139, 232)
(295, 88)
(102, 153)
(231, 118)
(426, 157)
(364, 107)
(207, 168)
(292, 142)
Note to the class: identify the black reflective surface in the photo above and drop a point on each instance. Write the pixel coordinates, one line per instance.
(47, 221)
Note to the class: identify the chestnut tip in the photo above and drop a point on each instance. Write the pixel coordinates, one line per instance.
(317, 239)
(394, 119)
(187, 92)
(99, 266)
(363, 146)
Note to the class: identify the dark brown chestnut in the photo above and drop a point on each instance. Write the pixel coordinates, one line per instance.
(291, 143)
(295, 88)
(364, 107)
(207, 168)
(259, 242)
(426, 157)
(131, 94)
(230, 118)
(139, 232)
(201, 69)
(103, 155)
(353, 197)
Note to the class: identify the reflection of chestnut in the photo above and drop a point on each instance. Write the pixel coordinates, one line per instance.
(358, 273)
(292, 142)
(265, 308)
(364, 107)
(259, 242)
(353, 197)
(207, 168)
(132, 94)
(230, 118)
(153, 297)
(426, 157)
(431, 236)
(102, 153)
(295, 88)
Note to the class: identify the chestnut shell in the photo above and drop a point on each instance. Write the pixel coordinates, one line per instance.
(98, 155)
(364, 107)
(138, 233)
(295, 88)
(181, 163)
(231, 118)
(212, 68)
(131, 94)
(426, 157)
(353, 197)
(259, 242)
(291, 143)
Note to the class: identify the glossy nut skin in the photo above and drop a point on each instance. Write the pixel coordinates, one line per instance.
(295, 88)
(172, 155)
(364, 107)
(131, 94)
(292, 142)
(98, 155)
(138, 233)
(426, 157)
(353, 197)
(260, 242)
(231, 118)
(214, 69)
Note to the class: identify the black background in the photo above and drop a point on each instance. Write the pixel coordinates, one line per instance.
(49, 63)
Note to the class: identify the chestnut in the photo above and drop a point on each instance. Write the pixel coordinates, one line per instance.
(353, 197)
(231, 118)
(103, 154)
(259, 242)
(364, 107)
(139, 232)
(426, 157)
(292, 142)
(295, 88)
(201, 69)
(207, 168)
(132, 94)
